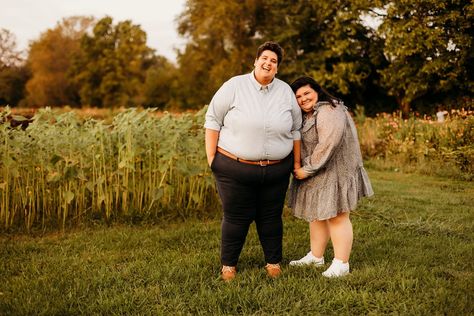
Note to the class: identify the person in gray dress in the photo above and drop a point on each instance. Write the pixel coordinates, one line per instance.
(331, 179)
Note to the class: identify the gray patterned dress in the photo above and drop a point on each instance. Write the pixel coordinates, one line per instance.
(330, 153)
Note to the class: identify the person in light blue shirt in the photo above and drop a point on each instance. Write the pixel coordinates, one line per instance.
(252, 126)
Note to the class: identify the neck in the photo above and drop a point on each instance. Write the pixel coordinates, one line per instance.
(263, 80)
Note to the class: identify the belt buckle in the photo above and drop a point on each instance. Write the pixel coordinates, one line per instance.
(264, 163)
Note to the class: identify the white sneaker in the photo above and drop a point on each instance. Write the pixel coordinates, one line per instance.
(337, 269)
(307, 260)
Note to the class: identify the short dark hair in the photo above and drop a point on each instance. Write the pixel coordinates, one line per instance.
(271, 46)
(323, 95)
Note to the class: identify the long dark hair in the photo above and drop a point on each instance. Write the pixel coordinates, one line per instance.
(323, 95)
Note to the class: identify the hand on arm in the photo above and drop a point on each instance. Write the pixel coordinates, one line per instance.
(297, 121)
(300, 174)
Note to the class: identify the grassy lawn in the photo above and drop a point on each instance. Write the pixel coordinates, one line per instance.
(413, 255)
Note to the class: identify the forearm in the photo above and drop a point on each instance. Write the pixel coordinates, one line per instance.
(297, 153)
(298, 172)
(211, 138)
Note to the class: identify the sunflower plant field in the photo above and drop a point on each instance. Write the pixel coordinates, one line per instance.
(64, 170)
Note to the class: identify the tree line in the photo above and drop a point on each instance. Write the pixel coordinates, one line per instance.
(382, 55)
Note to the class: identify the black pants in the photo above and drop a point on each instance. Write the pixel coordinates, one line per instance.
(251, 193)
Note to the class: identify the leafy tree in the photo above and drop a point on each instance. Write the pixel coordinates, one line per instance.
(112, 66)
(50, 60)
(9, 55)
(160, 84)
(326, 40)
(429, 46)
(330, 42)
(222, 39)
(13, 72)
(12, 84)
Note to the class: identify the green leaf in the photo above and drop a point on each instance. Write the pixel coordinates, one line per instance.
(68, 196)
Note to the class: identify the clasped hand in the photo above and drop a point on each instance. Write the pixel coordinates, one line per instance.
(300, 174)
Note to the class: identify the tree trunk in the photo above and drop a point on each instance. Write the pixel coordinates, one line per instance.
(404, 106)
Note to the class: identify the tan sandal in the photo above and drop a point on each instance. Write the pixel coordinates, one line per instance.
(273, 270)
(228, 273)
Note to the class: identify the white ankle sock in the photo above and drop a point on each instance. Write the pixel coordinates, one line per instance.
(319, 259)
(337, 269)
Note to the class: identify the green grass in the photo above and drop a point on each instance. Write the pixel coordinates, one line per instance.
(413, 254)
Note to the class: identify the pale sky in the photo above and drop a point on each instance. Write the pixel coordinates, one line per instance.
(27, 19)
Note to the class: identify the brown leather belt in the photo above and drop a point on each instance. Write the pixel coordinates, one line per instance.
(261, 163)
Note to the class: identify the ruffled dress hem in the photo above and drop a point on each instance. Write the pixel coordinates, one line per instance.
(318, 201)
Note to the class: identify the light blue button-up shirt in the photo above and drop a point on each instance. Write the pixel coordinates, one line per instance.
(255, 122)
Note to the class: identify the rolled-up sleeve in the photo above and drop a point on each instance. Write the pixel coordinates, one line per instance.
(219, 106)
(297, 119)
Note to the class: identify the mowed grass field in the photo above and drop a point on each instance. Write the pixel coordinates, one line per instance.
(413, 255)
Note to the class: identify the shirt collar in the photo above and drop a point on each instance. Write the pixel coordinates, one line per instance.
(257, 85)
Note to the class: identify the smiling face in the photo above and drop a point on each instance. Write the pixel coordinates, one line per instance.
(307, 98)
(266, 66)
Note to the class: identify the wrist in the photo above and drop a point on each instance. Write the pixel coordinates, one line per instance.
(210, 159)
